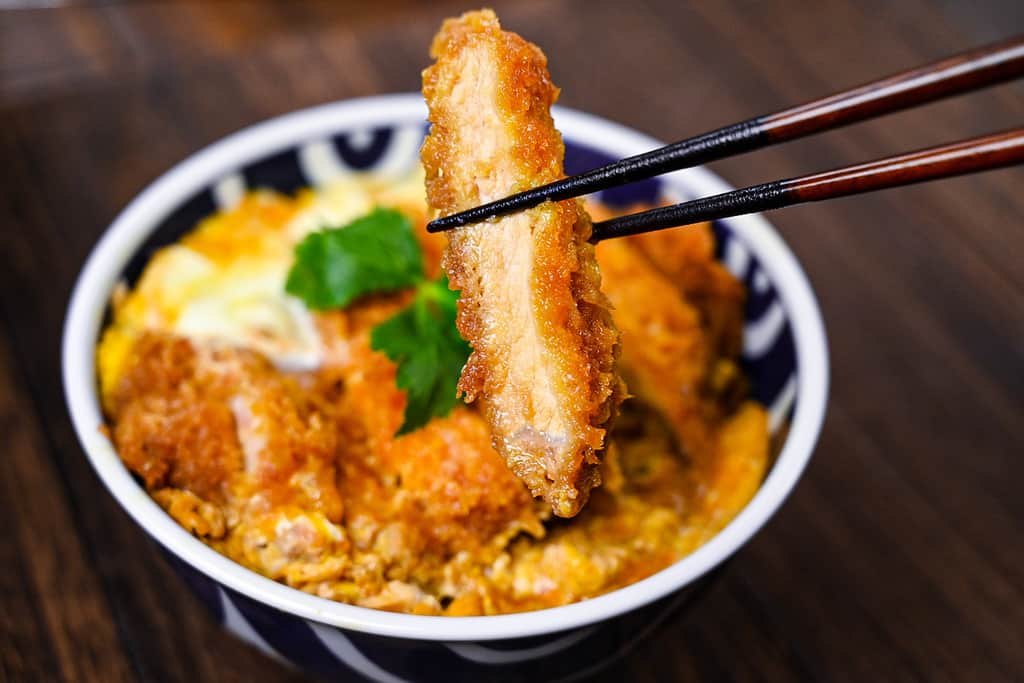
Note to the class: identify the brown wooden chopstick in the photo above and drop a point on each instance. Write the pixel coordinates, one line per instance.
(959, 158)
(956, 75)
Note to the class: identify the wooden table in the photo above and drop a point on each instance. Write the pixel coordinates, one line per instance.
(899, 557)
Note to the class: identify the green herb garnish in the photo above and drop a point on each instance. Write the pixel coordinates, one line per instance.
(379, 253)
(375, 253)
(425, 344)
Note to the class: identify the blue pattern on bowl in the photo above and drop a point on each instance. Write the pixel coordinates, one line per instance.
(769, 358)
(337, 654)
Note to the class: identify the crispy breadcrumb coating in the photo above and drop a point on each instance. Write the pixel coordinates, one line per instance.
(544, 345)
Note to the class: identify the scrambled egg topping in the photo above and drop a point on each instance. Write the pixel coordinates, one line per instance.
(224, 282)
(268, 431)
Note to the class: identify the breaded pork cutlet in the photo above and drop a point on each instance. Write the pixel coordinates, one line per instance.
(544, 344)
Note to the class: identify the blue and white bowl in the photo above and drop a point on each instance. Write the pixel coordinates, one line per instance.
(784, 354)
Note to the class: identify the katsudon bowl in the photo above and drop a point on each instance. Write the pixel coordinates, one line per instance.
(784, 356)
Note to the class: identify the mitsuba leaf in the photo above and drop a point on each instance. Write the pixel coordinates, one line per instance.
(424, 343)
(375, 253)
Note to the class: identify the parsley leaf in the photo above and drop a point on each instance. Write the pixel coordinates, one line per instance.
(375, 253)
(425, 344)
(380, 253)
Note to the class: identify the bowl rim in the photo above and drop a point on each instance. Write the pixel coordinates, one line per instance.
(204, 168)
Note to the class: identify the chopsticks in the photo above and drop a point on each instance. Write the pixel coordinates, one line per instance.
(958, 158)
(955, 75)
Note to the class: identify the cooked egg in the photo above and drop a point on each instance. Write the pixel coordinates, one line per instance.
(224, 283)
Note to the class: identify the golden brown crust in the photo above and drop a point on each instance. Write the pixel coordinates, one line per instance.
(456, 492)
(543, 364)
(300, 477)
(686, 256)
(167, 428)
(176, 423)
(228, 445)
(665, 352)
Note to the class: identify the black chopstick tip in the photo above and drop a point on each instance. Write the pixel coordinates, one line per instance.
(438, 225)
(457, 220)
(558, 190)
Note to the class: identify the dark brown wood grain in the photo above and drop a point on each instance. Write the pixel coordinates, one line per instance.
(898, 556)
(963, 73)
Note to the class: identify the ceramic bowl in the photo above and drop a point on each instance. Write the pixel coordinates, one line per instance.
(784, 354)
